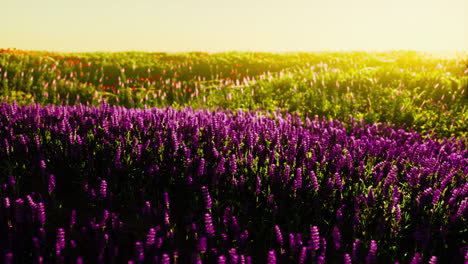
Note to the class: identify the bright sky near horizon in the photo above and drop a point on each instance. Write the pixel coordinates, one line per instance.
(246, 25)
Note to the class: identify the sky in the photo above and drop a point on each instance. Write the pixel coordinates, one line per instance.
(241, 25)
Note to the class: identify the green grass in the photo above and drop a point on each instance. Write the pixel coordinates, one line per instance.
(420, 91)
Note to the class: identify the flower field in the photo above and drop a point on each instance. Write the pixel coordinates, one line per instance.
(233, 158)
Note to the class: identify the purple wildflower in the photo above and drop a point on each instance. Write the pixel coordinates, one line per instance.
(338, 181)
(271, 257)
(337, 237)
(222, 259)
(19, 210)
(151, 237)
(433, 260)
(303, 255)
(397, 213)
(8, 258)
(314, 238)
(462, 208)
(103, 189)
(165, 259)
(73, 218)
(207, 198)
(314, 182)
(60, 244)
(279, 236)
(209, 225)
(298, 179)
(372, 256)
(51, 185)
(355, 253)
(233, 255)
(347, 259)
(139, 253)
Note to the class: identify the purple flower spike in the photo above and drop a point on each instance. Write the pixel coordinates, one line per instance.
(337, 237)
(103, 189)
(315, 238)
(166, 200)
(372, 256)
(347, 259)
(355, 253)
(51, 185)
(303, 255)
(433, 260)
(42, 165)
(314, 182)
(321, 260)
(209, 225)
(202, 245)
(151, 237)
(271, 257)
(8, 258)
(60, 240)
(338, 181)
(279, 236)
(462, 208)
(140, 255)
(165, 259)
(19, 210)
(222, 259)
(207, 198)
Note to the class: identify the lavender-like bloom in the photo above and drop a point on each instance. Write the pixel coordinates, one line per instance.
(166, 200)
(298, 179)
(271, 257)
(397, 213)
(324, 246)
(462, 208)
(42, 165)
(233, 255)
(8, 258)
(314, 182)
(338, 181)
(287, 171)
(303, 255)
(151, 237)
(103, 189)
(60, 244)
(372, 256)
(165, 259)
(435, 197)
(51, 184)
(321, 260)
(233, 164)
(337, 237)
(356, 249)
(292, 243)
(139, 253)
(347, 259)
(209, 225)
(207, 198)
(73, 218)
(222, 259)
(201, 167)
(202, 245)
(314, 238)
(19, 210)
(433, 260)
(279, 236)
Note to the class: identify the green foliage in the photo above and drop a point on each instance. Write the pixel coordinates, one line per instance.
(417, 90)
